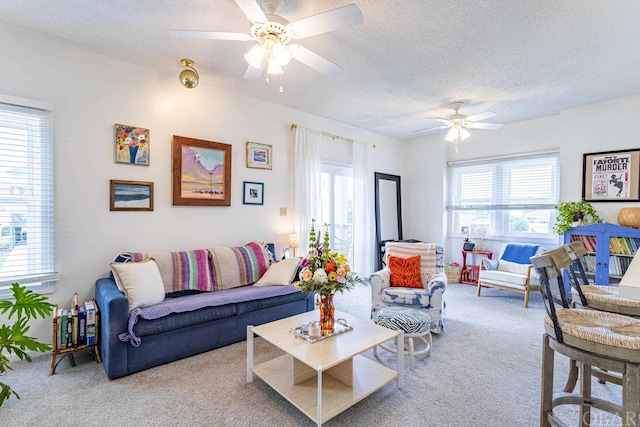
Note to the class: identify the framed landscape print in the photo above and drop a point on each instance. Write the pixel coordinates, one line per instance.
(612, 176)
(201, 172)
(131, 195)
(258, 155)
(132, 145)
(253, 193)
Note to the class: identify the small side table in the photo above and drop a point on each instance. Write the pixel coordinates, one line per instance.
(469, 274)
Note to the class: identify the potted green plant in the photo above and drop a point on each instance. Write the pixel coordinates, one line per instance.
(13, 338)
(571, 212)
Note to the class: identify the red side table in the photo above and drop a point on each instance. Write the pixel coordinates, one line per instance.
(470, 272)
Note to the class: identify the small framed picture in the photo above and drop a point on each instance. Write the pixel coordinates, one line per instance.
(131, 195)
(286, 253)
(253, 193)
(132, 145)
(258, 155)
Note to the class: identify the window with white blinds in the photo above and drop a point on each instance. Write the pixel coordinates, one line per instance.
(515, 195)
(26, 195)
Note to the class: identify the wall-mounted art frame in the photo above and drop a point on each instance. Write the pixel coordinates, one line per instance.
(201, 172)
(131, 195)
(611, 176)
(132, 145)
(259, 155)
(253, 193)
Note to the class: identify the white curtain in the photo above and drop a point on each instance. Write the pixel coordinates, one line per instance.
(363, 209)
(307, 175)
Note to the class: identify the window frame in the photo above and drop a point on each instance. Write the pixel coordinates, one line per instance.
(41, 281)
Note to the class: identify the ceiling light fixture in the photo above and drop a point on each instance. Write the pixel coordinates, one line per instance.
(274, 67)
(273, 36)
(453, 134)
(457, 133)
(189, 78)
(255, 56)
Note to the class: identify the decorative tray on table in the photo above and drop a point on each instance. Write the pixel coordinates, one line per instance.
(339, 326)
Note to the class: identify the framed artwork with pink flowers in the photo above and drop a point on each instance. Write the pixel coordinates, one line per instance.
(132, 145)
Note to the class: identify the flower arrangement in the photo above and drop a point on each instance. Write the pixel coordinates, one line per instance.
(325, 272)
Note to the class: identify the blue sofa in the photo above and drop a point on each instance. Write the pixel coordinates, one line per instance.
(132, 345)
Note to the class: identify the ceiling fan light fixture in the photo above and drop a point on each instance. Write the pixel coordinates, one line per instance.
(273, 67)
(281, 54)
(255, 56)
(464, 134)
(453, 134)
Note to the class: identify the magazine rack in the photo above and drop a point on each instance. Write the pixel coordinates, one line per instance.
(70, 350)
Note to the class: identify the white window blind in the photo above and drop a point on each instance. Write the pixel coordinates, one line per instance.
(26, 195)
(514, 195)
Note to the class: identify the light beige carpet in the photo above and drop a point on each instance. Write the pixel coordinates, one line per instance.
(484, 371)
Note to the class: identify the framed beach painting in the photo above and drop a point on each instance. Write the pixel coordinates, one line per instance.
(132, 145)
(253, 193)
(131, 195)
(201, 172)
(611, 176)
(258, 155)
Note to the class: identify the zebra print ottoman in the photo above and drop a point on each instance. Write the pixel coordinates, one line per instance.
(414, 324)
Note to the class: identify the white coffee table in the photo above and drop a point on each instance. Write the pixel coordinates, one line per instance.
(324, 378)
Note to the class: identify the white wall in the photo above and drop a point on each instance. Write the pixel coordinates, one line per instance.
(91, 93)
(606, 126)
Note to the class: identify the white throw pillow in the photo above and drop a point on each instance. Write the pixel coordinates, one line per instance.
(140, 281)
(280, 273)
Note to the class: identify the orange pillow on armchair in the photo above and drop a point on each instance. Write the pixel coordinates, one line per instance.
(405, 272)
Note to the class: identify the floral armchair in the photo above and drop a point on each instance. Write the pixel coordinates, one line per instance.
(429, 298)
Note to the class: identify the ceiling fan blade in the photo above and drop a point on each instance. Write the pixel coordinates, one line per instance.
(426, 130)
(209, 35)
(481, 116)
(490, 126)
(327, 21)
(315, 61)
(254, 73)
(252, 11)
(440, 119)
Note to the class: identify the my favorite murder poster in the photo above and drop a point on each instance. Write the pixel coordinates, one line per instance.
(611, 175)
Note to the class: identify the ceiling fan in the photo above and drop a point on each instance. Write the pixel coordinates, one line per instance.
(459, 123)
(273, 34)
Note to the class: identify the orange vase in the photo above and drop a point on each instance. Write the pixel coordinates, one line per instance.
(327, 314)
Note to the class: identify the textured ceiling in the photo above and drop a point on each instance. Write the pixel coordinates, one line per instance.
(406, 62)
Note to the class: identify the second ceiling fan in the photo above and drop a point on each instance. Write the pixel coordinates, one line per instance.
(459, 123)
(273, 34)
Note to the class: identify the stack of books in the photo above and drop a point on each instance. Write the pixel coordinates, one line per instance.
(76, 327)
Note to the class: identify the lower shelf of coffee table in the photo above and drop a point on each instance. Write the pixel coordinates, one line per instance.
(367, 377)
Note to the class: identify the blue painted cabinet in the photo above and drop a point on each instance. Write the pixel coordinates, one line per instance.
(611, 248)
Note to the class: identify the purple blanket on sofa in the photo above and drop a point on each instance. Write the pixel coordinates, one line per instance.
(197, 301)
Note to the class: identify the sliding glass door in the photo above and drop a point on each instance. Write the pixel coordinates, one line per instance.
(336, 207)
